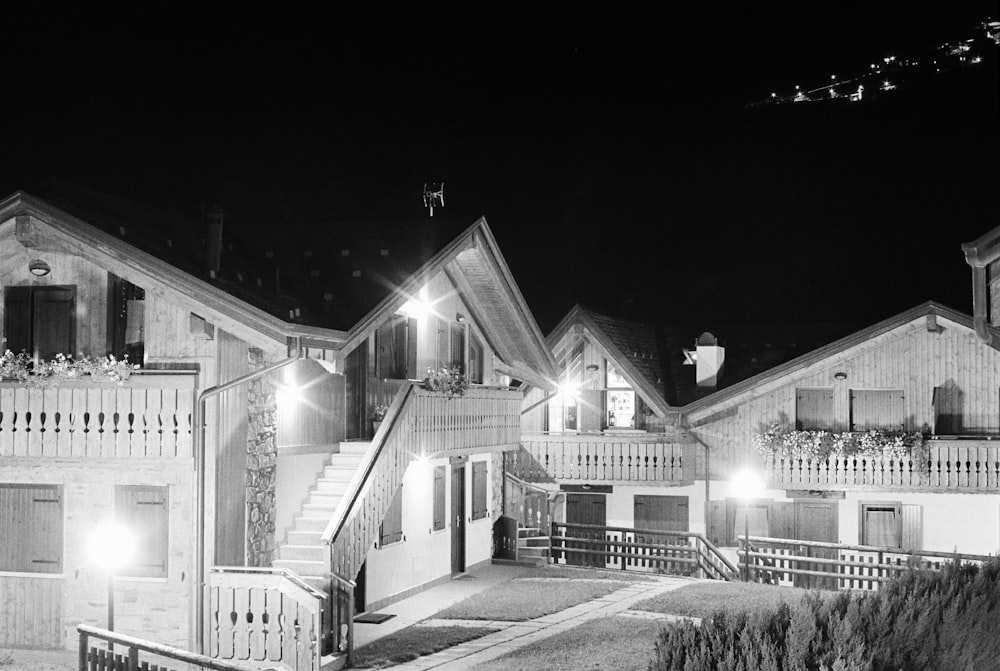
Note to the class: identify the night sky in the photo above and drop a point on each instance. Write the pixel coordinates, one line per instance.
(617, 155)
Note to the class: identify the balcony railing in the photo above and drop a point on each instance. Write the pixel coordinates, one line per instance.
(147, 416)
(951, 465)
(596, 458)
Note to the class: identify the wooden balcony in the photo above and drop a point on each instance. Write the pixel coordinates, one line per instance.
(147, 416)
(639, 457)
(952, 465)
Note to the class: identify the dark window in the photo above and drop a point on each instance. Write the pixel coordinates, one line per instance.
(391, 529)
(443, 351)
(145, 511)
(126, 315)
(480, 482)
(31, 528)
(40, 320)
(882, 524)
(458, 346)
(396, 348)
(439, 487)
(477, 355)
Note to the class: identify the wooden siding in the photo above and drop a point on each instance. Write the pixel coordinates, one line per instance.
(420, 423)
(32, 613)
(147, 416)
(231, 454)
(909, 358)
(169, 335)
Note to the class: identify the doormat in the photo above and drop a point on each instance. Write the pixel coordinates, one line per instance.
(374, 618)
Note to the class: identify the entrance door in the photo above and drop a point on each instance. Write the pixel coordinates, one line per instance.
(586, 509)
(816, 521)
(355, 382)
(458, 518)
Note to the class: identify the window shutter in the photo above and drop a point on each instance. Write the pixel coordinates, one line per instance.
(31, 524)
(877, 409)
(813, 409)
(479, 485)
(145, 511)
(439, 487)
(17, 318)
(458, 346)
(913, 527)
(715, 522)
(411, 349)
(391, 529)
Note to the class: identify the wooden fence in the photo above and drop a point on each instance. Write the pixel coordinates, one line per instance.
(264, 615)
(149, 415)
(647, 550)
(527, 504)
(158, 657)
(949, 466)
(597, 458)
(833, 566)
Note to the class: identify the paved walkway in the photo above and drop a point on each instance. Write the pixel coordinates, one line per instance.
(511, 635)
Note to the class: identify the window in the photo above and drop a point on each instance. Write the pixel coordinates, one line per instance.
(391, 529)
(31, 526)
(480, 483)
(476, 361)
(126, 317)
(396, 348)
(573, 376)
(619, 399)
(145, 510)
(439, 487)
(891, 524)
(814, 409)
(877, 409)
(40, 320)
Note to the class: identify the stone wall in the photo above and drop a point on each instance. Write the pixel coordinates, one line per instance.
(262, 459)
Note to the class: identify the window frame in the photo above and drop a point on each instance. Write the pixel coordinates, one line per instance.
(865, 506)
(31, 292)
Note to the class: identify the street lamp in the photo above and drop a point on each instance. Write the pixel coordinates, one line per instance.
(747, 485)
(112, 547)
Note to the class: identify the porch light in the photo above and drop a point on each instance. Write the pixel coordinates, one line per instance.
(567, 390)
(39, 268)
(416, 308)
(111, 548)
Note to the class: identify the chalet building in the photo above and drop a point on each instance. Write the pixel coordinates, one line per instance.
(658, 423)
(243, 453)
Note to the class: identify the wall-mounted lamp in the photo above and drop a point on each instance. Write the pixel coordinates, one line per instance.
(592, 367)
(840, 375)
(39, 268)
(459, 317)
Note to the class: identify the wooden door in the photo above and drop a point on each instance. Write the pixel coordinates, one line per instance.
(458, 518)
(660, 513)
(586, 509)
(816, 521)
(355, 381)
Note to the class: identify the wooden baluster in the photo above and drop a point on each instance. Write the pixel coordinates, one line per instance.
(963, 467)
(255, 628)
(241, 628)
(226, 619)
(6, 421)
(119, 418)
(20, 422)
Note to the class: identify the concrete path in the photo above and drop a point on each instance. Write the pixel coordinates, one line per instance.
(514, 635)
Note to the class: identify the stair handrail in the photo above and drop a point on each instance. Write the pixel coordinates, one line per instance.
(290, 575)
(356, 486)
(530, 485)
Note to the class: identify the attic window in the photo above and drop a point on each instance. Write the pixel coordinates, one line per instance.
(313, 273)
(355, 273)
(268, 255)
(328, 296)
(307, 253)
(345, 252)
(383, 252)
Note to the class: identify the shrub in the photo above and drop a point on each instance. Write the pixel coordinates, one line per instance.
(922, 621)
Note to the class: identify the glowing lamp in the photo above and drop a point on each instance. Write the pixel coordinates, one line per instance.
(112, 547)
(748, 485)
(416, 308)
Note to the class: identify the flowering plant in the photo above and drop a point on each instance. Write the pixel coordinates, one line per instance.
(781, 441)
(22, 367)
(449, 380)
(378, 413)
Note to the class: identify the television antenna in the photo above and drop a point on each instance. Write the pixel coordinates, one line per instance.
(433, 195)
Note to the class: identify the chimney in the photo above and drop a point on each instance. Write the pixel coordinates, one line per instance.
(214, 217)
(710, 358)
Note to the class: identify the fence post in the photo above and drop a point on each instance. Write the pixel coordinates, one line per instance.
(133, 659)
(82, 657)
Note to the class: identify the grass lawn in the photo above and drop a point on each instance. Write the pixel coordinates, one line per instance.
(704, 598)
(527, 598)
(37, 660)
(556, 571)
(413, 642)
(619, 643)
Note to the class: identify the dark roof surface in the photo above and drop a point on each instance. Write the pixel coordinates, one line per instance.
(330, 279)
(639, 342)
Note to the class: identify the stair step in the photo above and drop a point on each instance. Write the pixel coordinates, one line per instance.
(340, 471)
(532, 553)
(331, 486)
(317, 524)
(298, 537)
(316, 569)
(534, 541)
(354, 447)
(303, 552)
(528, 532)
(325, 510)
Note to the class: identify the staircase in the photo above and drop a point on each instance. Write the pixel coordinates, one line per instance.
(304, 551)
(532, 548)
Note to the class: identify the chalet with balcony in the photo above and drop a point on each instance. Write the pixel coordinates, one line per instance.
(244, 452)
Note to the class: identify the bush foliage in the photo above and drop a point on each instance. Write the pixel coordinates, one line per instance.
(946, 620)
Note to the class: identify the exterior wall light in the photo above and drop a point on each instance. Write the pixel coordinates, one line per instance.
(39, 268)
(840, 375)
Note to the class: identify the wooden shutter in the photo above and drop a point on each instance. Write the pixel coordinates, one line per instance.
(411, 349)
(458, 346)
(476, 357)
(877, 409)
(913, 527)
(715, 522)
(17, 319)
(590, 410)
(443, 345)
(813, 409)
(31, 526)
(660, 513)
(439, 488)
(391, 529)
(145, 511)
(479, 485)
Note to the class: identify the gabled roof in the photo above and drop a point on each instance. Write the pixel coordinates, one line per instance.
(748, 385)
(386, 264)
